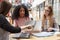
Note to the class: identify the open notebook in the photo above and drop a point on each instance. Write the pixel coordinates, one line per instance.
(21, 35)
(43, 34)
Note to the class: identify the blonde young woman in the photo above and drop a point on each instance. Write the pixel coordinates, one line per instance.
(48, 21)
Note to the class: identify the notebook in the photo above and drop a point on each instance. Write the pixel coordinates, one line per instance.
(21, 36)
(43, 34)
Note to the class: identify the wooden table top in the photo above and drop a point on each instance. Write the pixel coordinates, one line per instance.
(54, 37)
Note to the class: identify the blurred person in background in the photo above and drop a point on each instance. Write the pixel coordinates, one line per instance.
(21, 16)
(48, 20)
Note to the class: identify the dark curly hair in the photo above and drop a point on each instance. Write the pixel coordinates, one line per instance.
(16, 15)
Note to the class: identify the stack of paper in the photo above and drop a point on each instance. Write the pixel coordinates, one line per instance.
(43, 34)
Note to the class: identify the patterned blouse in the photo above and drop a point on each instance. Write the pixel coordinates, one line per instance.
(21, 21)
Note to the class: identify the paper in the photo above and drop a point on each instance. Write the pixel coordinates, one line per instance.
(43, 34)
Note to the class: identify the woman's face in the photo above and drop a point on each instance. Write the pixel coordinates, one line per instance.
(22, 12)
(47, 11)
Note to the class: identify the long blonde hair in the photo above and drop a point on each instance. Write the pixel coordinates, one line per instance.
(50, 17)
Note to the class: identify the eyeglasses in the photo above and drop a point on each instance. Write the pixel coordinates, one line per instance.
(47, 10)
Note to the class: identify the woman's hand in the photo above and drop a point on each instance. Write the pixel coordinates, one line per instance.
(27, 29)
(49, 29)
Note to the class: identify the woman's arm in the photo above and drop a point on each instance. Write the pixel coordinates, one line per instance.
(5, 25)
(15, 23)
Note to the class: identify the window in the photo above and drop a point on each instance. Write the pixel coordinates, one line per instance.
(51, 2)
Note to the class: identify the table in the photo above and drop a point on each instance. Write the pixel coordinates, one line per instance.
(54, 37)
